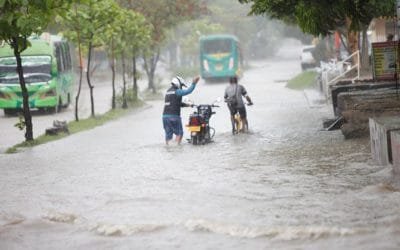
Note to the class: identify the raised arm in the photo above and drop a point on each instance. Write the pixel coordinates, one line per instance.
(183, 92)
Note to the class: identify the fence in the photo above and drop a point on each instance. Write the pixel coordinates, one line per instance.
(333, 71)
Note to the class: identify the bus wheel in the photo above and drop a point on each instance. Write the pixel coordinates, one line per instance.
(52, 110)
(10, 112)
(55, 109)
(68, 101)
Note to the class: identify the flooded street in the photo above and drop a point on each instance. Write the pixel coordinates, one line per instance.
(285, 185)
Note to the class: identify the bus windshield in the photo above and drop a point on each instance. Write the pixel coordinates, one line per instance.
(217, 46)
(35, 68)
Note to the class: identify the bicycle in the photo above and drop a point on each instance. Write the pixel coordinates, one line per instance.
(238, 125)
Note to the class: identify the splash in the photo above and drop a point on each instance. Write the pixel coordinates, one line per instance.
(124, 230)
(60, 217)
(10, 219)
(381, 188)
(282, 233)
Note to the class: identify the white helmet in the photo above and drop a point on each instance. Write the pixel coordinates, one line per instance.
(178, 82)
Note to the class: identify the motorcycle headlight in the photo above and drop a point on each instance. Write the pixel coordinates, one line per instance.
(205, 64)
(231, 62)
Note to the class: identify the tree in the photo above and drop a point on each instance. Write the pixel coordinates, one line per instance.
(86, 25)
(72, 29)
(323, 17)
(161, 15)
(19, 19)
(186, 37)
(125, 36)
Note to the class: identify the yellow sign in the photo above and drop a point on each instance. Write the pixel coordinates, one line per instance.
(385, 60)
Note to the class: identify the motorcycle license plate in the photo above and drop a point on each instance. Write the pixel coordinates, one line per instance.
(194, 128)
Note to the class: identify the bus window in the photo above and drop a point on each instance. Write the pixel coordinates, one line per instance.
(58, 58)
(68, 56)
(217, 46)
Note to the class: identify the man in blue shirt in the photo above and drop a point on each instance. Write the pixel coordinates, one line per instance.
(172, 108)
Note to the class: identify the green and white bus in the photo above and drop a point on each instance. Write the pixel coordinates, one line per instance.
(220, 57)
(47, 71)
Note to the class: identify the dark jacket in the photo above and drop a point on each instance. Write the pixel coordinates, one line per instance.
(172, 102)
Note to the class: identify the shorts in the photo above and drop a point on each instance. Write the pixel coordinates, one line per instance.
(172, 125)
(241, 110)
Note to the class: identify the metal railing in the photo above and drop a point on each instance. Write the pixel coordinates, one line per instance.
(339, 70)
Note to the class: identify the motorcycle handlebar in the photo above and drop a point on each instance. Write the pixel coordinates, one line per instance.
(196, 105)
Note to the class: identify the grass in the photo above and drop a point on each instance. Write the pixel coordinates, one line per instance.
(303, 80)
(76, 127)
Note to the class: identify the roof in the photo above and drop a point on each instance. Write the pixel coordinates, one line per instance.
(38, 47)
(219, 36)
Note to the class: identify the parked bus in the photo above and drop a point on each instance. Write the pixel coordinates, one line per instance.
(220, 57)
(47, 71)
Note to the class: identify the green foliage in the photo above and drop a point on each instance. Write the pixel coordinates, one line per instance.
(306, 79)
(130, 32)
(21, 122)
(164, 14)
(131, 97)
(189, 34)
(19, 19)
(324, 16)
(88, 21)
(22, 18)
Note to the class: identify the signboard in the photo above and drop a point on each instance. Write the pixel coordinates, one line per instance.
(398, 13)
(385, 60)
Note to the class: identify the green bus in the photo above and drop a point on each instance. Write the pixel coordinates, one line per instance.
(220, 57)
(47, 71)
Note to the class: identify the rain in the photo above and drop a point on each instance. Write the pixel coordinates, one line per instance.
(285, 184)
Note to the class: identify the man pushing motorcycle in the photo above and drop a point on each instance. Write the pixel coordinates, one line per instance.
(172, 108)
(233, 97)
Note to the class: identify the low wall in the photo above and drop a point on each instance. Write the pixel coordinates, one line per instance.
(381, 133)
(395, 151)
(356, 107)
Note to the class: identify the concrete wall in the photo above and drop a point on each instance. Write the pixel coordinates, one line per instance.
(380, 136)
(395, 149)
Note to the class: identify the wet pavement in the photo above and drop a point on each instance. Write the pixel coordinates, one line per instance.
(285, 185)
(10, 135)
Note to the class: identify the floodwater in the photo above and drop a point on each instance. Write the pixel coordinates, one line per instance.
(285, 185)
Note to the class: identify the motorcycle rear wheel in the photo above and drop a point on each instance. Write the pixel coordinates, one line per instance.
(195, 139)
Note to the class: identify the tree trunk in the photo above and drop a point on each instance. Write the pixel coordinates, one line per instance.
(146, 68)
(124, 101)
(25, 96)
(150, 68)
(80, 77)
(88, 79)
(352, 40)
(364, 51)
(113, 105)
(135, 86)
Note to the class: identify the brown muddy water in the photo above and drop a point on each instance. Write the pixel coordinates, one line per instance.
(285, 185)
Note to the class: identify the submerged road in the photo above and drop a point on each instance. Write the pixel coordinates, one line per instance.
(285, 185)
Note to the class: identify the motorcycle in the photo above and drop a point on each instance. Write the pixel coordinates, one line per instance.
(199, 124)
